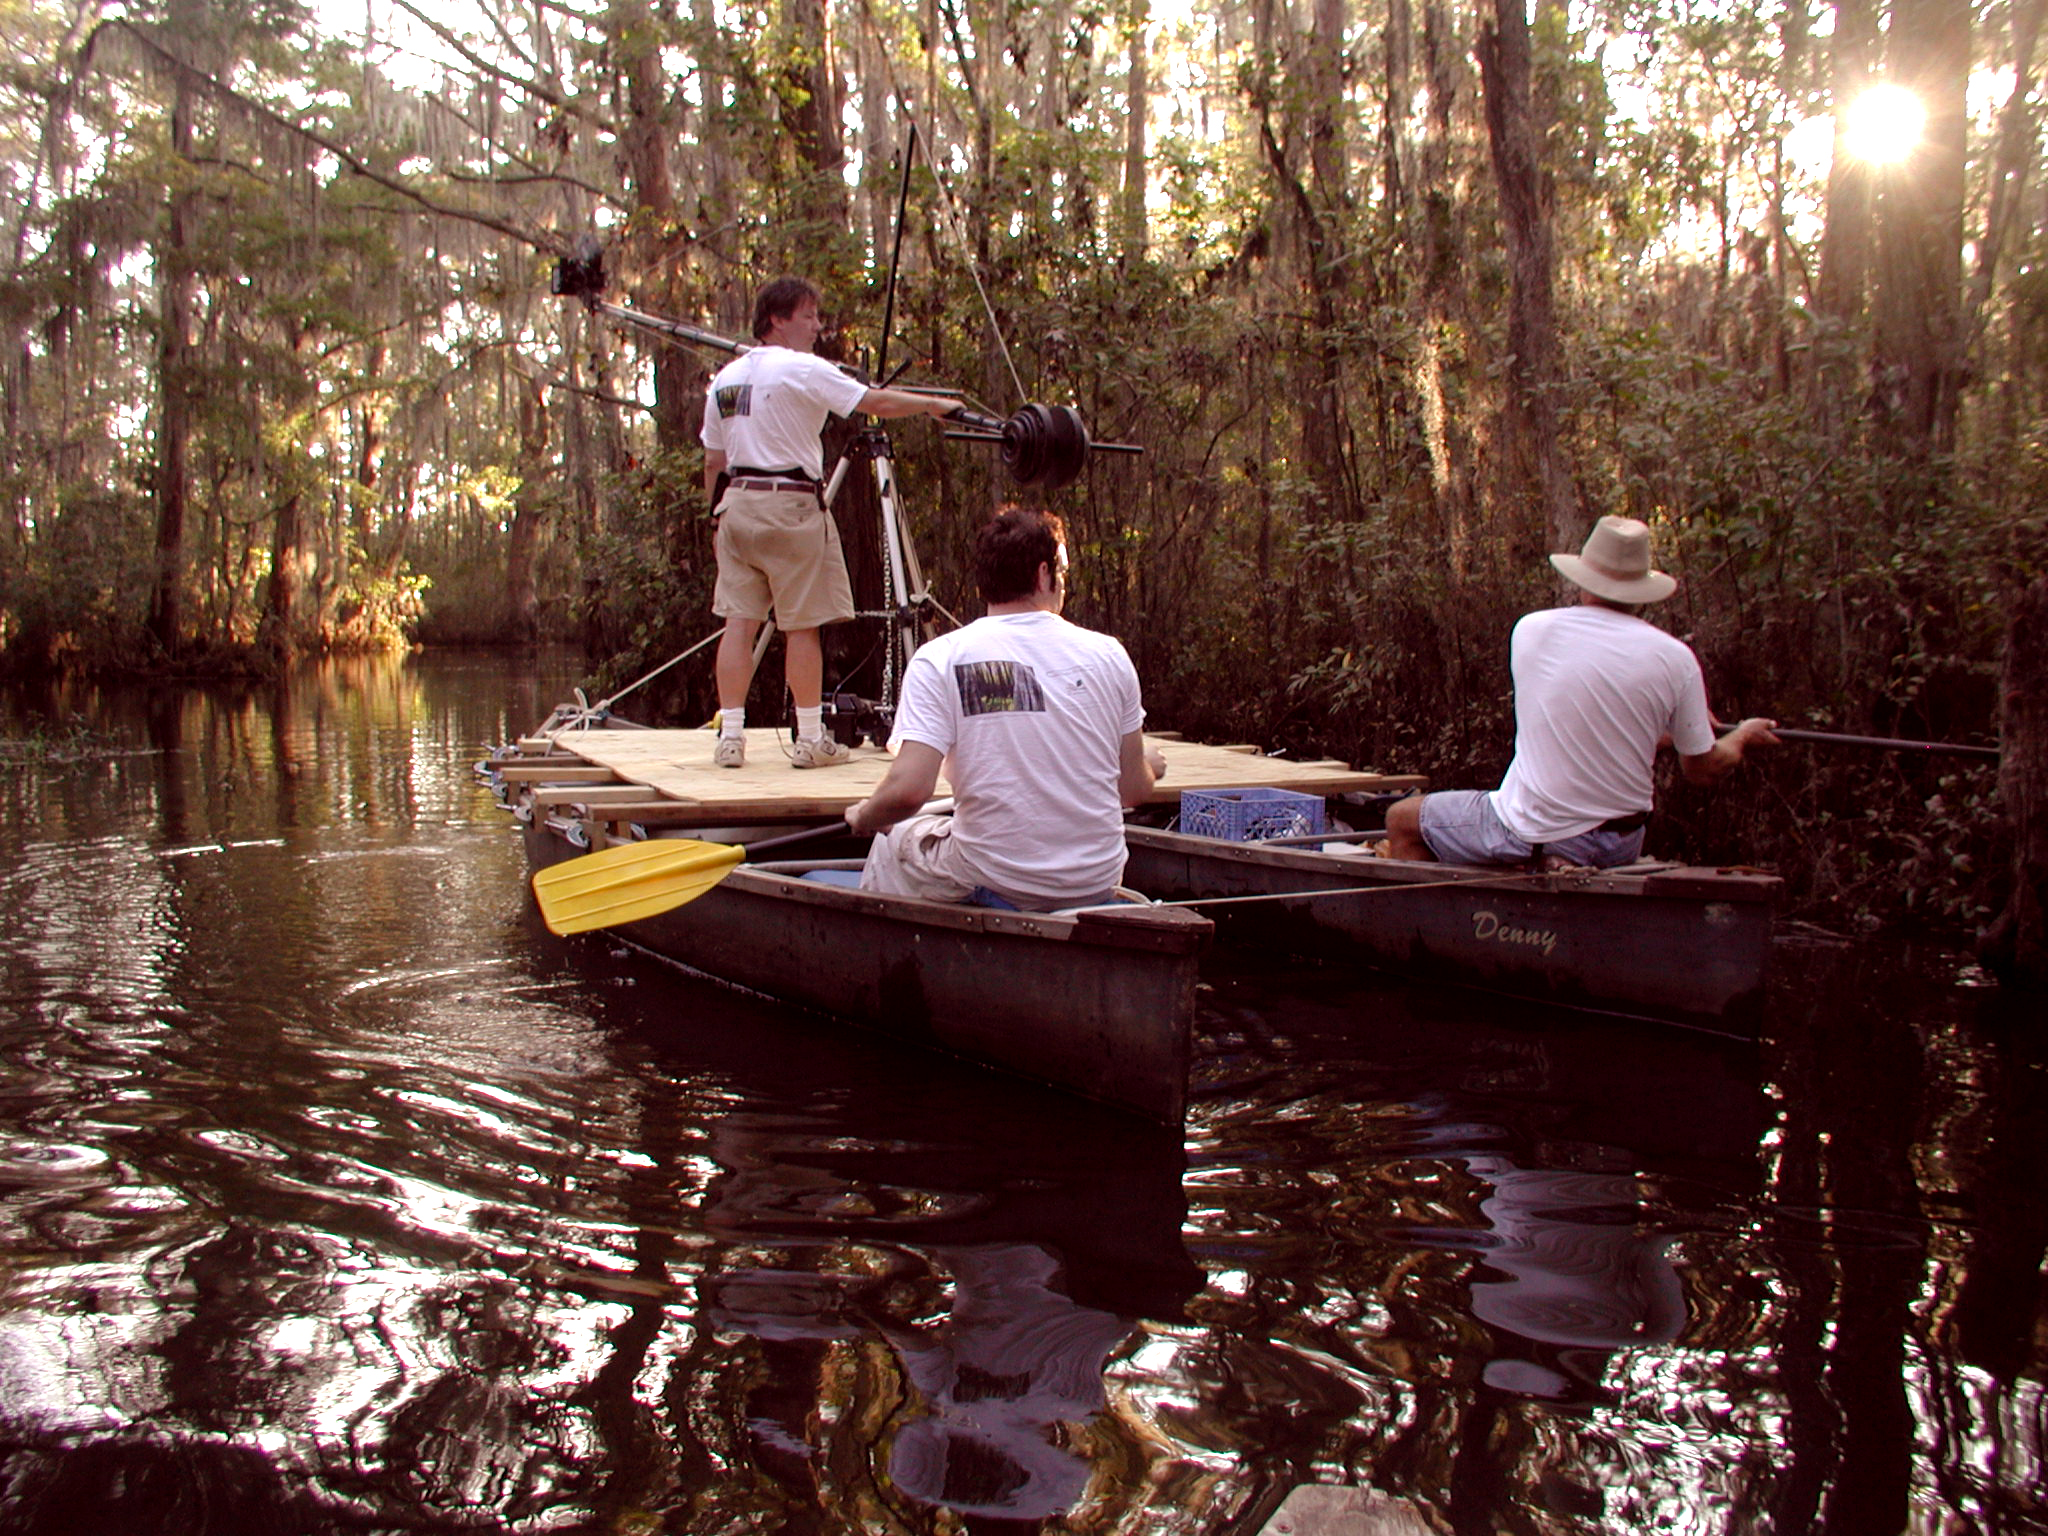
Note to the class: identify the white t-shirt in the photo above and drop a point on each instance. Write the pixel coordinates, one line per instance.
(766, 408)
(1595, 691)
(1031, 713)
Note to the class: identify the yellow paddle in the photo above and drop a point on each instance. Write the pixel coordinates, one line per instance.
(629, 881)
(634, 880)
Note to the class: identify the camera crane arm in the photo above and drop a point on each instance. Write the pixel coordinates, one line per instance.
(1041, 445)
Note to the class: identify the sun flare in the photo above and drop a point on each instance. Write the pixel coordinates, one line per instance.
(1882, 126)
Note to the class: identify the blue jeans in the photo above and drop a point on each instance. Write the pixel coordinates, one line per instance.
(982, 896)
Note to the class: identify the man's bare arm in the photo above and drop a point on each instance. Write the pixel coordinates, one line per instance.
(1714, 763)
(1138, 768)
(891, 404)
(903, 791)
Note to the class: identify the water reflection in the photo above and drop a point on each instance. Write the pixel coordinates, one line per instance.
(336, 1195)
(1577, 1276)
(1014, 1361)
(1001, 1274)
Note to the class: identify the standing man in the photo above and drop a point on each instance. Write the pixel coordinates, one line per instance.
(1039, 727)
(1597, 691)
(777, 546)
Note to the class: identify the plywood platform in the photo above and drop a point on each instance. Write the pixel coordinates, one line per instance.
(683, 785)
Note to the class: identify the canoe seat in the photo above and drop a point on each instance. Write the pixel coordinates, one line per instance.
(850, 878)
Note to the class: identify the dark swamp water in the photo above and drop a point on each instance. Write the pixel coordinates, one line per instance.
(336, 1195)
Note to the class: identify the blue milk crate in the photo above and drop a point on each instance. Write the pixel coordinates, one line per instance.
(1250, 815)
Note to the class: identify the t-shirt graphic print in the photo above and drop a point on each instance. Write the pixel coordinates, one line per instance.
(998, 687)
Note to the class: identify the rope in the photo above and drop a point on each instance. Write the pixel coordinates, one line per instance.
(586, 713)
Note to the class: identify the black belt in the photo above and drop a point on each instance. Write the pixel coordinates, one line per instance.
(1633, 822)
(748, 472)
(793, 487)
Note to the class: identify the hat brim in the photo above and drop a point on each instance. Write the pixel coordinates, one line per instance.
(1651, 588)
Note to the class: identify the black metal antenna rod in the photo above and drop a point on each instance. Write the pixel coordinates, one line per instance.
(895, 256)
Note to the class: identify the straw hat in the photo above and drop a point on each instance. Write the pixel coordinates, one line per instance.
(1615, 564)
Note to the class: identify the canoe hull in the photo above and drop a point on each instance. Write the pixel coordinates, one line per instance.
(1686, 945)
(1101, 1004)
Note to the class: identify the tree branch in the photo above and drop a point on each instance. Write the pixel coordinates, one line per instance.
(156, 56)
(532, 88)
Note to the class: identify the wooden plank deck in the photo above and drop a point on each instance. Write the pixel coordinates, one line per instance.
(676, 766)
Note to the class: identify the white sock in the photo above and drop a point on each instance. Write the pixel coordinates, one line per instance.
(810, 723)
(732, 723)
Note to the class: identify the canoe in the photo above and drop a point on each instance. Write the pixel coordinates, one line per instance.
(1099, 1003)
(1687, 945)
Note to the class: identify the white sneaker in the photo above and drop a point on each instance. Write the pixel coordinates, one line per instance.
(731, 752)
(825, 752)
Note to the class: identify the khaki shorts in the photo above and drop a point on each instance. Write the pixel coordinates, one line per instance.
(917, 857)
(778, 551)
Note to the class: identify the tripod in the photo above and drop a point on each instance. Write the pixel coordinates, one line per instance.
(907, 614)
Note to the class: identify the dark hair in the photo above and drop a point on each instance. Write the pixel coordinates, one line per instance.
(779, 300)
(1011, 548)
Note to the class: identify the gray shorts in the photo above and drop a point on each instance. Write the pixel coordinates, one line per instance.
(1461, 827)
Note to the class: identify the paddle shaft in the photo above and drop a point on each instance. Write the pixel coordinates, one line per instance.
(929, 808)
(1881, 743)
(804, 836)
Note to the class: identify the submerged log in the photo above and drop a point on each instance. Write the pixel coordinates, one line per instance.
(2015, 947)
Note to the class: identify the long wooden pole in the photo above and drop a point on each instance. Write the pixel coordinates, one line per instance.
(1881, 743)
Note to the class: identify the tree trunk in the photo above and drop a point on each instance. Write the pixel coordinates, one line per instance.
(2012, 160)
(1445, 305)
(2015, 948)
(528, 513)
(1137, 108)
(1919, 356)
(1841, 288)
(279, 631)
(880, 144)
(369, 450)
(1845, 241)
(812, 113)
(1309, 209)
(175, 283)
(1532, 456)
(645, 138)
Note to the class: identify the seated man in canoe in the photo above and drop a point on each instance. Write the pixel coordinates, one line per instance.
(1038, 724)
(1597, 691)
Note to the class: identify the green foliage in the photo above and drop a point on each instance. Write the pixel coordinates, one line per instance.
(53, 747)
(1328, 536)
(76, 594)
(647, 590)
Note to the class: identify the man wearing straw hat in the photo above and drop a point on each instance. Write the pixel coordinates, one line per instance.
(1597, 692)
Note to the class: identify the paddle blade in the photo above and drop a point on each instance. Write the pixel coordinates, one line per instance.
(630, 881)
